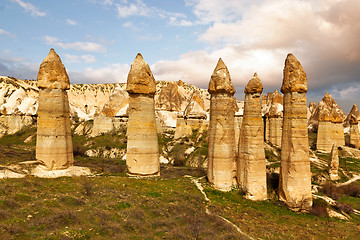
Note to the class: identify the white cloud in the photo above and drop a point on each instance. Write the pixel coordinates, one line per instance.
(28, 7)
(3, 32)
(346, 92)
(80, 46)
(71, 22)
(139, 8)
(82, 58)
(111, 74)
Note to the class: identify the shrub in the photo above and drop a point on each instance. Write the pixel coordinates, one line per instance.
(79, 150)
(344, 207)
(319, 208)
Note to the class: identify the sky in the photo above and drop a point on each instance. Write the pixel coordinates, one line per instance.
(97, 40)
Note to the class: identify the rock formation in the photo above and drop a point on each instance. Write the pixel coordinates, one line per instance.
(221, 157)
(354, 132)
(251, 163)
(54, 148)
(334, 163)
(355, 112)
(337, 128)
(295, 176)
(142, 157)
(324, 140)
(275, 124)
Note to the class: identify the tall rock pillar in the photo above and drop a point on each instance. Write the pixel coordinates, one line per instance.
(354, 132)
(337, 129)
(142, 157)
(324, 140)
(221, 156)
(54, 149)
(295, 176)
(251, 163)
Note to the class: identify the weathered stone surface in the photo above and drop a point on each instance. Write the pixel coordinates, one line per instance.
(182, 128)
(354, 131)
(220, 81)
(172, 97)
(295, 176)
(117, 104)
(334, 163)
(102, 124)
(324, 140)
(355, 112)
(142, 157)
(275, 124)
(195, 108)
(54, 148)
(221, 157)
(251, 163)
(52, 73)
(140, 78)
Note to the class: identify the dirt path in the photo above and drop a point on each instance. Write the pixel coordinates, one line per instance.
(208, 212)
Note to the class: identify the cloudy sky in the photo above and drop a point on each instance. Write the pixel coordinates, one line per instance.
(98, 39)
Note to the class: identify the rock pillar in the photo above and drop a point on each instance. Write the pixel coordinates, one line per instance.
(275, 126)
(54, 149)
(295, 176)
(334, 163)
(324, 140)
(221, 156)
(142, 157)
(354, 132)
(338, 129)
(251, 163)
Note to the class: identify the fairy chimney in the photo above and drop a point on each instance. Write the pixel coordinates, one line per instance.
(334, 163)
(251, 163)
(221, 156)
(142, 157)
(54, 149)
(295, 175)
(354, 132)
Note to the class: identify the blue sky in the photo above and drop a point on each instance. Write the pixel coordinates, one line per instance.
(98, 39)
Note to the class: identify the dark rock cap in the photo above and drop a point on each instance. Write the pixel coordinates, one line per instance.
(52, 73)
(254, 85)
(220, 81)
(294, 76)
(140, 78)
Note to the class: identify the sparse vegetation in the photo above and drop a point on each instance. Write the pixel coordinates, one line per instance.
(113, 206)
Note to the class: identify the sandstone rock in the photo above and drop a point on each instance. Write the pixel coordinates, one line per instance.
(353, 112)
(102, 124)
(54, 148)
(275, 124)
(117, 104)
(195, 108)
(327, 108)
(251, 163)
(324, 140)
(140, 78)
(171, 98)
(295, 176)
(142, 158)
(354, 131)
(182, 128)
(221, 157)
(334, 163)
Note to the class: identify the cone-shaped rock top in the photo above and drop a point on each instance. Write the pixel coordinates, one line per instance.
(294, 76)
(220, 81)
(254, 85)
(140, 78)
(52, 73)
(353, 119)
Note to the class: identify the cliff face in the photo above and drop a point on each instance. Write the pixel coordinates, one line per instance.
(20, 98)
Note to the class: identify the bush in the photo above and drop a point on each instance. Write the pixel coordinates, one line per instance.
(344, 207)
(319, 208)
(79, 150)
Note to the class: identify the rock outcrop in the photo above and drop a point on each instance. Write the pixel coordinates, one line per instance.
(221, 157)
(334, 163)
(354, 132)
(275, 124)
(324, 140)
(54, 148)
(251, 163)
(353, 112)
(295, 176)
(337, 127)
(142, 158)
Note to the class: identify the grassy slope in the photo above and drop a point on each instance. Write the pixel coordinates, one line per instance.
(114, 206)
